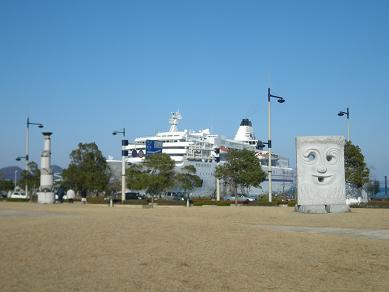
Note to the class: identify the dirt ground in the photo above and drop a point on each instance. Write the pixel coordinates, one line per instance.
(97, 248)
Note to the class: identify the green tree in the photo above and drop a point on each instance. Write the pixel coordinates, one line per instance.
(356, 170)
(31, 177)
(241, 169)
(188, 180)
(6, 184)
(137, 177)
(155, 175)
(88, 170)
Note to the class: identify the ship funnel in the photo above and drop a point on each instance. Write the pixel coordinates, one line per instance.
(245, 132)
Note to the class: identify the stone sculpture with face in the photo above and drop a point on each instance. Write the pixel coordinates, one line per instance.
(320, 170)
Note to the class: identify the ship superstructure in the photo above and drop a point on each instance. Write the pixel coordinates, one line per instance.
(204, 151)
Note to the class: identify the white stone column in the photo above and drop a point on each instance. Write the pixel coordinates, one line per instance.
(46, 194)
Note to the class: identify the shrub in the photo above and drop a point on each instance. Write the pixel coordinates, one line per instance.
(17, 200)
(292, 203)
(205, 199)
(97, 200)
(379, 204)
(361, 205)
(134, 202)
(210, 203)
(223, 203)
(105, 200)
(265, 203)
(372, 204)
(170, 202)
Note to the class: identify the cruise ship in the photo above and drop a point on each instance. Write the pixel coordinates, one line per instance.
(205, 151)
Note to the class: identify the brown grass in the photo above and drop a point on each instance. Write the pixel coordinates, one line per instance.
(96, 248)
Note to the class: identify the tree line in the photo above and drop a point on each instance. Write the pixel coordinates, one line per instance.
(89, 173)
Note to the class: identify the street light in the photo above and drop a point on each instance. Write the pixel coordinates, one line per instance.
(16, 174)
(120, 132)
(19, 158)
(347, 113)
(269, 167)
(124, 155)
(39, 125)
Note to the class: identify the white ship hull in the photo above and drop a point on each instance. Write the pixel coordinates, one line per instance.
(282, 182)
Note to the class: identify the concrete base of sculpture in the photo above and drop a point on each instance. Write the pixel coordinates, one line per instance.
(338, 208)
(311, 209)
(46, 197)
(322, 209)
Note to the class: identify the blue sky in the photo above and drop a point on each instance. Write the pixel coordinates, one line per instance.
(86, 68)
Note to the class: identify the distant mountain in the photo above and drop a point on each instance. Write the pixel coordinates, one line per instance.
(57, 169)
(9, 172)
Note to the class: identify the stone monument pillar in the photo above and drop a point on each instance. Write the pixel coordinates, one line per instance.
(46, 194)
(320, 174)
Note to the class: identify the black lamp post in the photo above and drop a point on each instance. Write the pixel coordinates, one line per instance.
(269, 145)
(124, 155)
(39, 125)
(347, 113)
(19, 158)
(120, 132)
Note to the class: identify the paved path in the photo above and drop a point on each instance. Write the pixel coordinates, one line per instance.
(382, 234)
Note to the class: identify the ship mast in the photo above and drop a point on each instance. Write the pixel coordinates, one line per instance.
(173, 121)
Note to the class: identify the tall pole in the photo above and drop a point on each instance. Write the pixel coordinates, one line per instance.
(16, 173)
(124, 155)
(217, 190)
(217, 159)
(27, 158)
(386, 186)
(269, 167)
(123, 176)
(348, 124)
(27, 148)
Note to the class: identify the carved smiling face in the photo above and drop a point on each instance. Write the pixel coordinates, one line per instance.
(322, 163)
(320, 170)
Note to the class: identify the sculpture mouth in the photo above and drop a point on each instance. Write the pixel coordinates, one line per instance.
(322, 179)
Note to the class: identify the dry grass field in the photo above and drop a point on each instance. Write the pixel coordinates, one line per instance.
(96, 248)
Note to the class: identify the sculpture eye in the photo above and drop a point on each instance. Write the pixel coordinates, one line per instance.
(311, 156)
(331, 156)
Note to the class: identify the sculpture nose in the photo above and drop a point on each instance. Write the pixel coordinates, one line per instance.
(322, 169)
